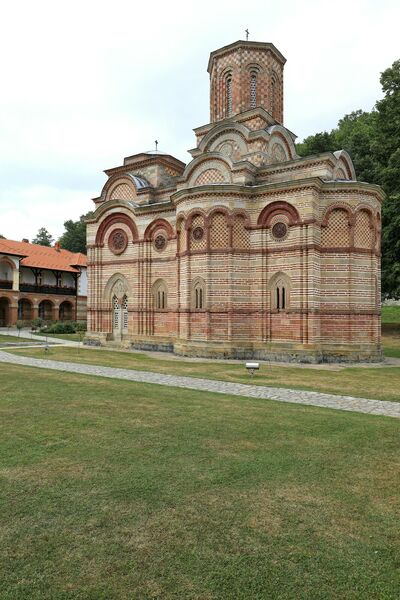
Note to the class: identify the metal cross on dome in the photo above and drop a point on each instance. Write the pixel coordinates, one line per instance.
(156, 143)
(247, 35)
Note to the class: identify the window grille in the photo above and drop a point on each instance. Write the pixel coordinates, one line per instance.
(253, 90)
(228, 96)
(125, 313)
(116, 314)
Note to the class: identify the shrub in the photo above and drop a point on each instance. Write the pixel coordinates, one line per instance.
(60, 327)
(37, 323)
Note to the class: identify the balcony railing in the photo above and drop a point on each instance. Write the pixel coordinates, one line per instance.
(6, 284)
(47, 289)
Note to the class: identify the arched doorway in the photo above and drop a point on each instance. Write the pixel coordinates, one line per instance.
(46, 310)
(24, 310)
(4, 312)
(65, 312)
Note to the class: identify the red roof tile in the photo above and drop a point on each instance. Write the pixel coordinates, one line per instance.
(44, 257)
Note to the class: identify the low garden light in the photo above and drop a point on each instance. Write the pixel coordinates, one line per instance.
(252, 367)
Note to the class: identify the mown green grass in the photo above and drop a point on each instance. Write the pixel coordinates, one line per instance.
(368, 382)
(391, 314)
(73, 337)
(12, 338)
(115, 490)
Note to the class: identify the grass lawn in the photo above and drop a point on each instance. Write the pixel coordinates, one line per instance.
(391, 314)
(380, 383)
(391, 330)
(73, 337)
(12, 338)
(113, 490)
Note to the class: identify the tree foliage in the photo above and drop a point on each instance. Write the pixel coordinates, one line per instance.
(43, 237)
(373, 141)
(74, 236)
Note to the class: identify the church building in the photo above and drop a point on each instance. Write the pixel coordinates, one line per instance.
(248, 251)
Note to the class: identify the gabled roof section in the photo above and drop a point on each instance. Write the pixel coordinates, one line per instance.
(44, 257)
(144, 159)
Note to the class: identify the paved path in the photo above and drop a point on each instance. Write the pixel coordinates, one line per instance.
(362, 405)
(26, 334)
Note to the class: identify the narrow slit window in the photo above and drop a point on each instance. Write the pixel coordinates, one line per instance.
(228, 96)
(277, 298)
(283, 299)
(253, 90)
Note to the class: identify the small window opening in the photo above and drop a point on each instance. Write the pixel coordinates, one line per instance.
(253, 90)
(228, 95)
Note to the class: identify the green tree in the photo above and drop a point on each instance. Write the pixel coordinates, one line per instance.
(387, 143)
(391, 247)
(74, 236)
(2, 237)
(43, 237)
(315, 144)
(373, 141)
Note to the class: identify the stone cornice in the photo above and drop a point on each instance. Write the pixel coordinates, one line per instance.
(245, 44)
(281, 187)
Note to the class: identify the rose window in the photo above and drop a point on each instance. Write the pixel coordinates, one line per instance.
(198, 233)
(160, 242)
(279, 230)
(118, 241)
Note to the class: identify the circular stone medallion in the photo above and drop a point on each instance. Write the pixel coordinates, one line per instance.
(279, 230)
(160, 242)
(198, 233)
(118, 241)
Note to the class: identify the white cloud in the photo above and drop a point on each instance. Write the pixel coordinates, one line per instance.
(86, 83)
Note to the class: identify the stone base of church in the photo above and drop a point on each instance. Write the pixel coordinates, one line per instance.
(281, 352)
(272, 351)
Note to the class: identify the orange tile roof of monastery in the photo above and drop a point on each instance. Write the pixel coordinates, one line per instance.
(43, 257)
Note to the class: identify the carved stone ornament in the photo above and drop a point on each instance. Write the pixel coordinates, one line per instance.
(160, 242)
(198, 233)
(279, 230)
(119, 290)
(118, 241)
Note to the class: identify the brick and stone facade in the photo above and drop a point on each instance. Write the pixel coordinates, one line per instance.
(247, 251)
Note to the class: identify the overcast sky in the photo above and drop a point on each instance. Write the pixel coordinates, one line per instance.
(85, 83)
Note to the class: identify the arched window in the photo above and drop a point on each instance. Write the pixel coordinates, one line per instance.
(253, 89)
(228, 100)
(280, 287)
(160, 295)
(273, 95)
(24, 310)
(199, 294)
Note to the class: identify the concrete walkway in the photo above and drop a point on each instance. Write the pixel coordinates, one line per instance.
(361, 405)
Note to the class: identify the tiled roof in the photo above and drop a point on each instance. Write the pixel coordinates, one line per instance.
(44, 257)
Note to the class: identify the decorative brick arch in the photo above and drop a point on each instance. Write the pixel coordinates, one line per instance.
(218, 210)
(110, 287)
(240, 212)
(365, 235)
(337, 206)
(8, 261)
(115, 219)
(195, 212)
(129, 186)
(156, 225)
(212, 161)
(278, 208)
